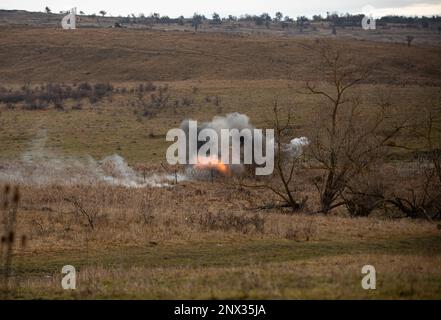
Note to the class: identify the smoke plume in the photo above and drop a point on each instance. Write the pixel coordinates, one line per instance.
(39, 166)
(296, 146)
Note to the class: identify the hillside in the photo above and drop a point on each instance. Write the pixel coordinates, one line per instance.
(55, 55)
(84, 176)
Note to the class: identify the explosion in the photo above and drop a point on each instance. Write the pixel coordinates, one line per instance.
(212, 163)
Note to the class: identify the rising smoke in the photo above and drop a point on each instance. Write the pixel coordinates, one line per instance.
(241, 121)
(296, 146)
(233, 120)
(39, 166)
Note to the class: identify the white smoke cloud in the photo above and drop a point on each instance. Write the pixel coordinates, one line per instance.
(297, 145)
(112, 170)
(241, 121)
(233, 120)
(39, 166)
(230, 121)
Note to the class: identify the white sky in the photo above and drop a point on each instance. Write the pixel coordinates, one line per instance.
(175, 8)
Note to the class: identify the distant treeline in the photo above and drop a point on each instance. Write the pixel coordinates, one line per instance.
(333, 19)
(355, 20)
(266, 19)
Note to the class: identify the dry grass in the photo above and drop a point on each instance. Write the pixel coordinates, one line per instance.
(115, 55)
(206, 240)
(200, 239)
(398, 277)
(193, 211)
(117, 124)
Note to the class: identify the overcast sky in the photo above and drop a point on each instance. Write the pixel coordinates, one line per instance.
(175, 8)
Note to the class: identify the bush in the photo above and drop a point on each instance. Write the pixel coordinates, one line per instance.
(147, 87)
(41, 96)
(36, 105)
(367, 195)
(102, 89)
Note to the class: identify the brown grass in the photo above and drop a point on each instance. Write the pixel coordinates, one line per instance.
(195, 211)
(200, 239)
(48, 55)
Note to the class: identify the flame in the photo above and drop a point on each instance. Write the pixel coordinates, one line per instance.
(211, 162)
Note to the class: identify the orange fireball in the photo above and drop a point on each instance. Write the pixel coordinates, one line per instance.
(211, 162)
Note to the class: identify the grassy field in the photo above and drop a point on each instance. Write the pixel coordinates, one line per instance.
(177, 252)
(175, 242)
(258, 269)
(116, 124)
(55, 55)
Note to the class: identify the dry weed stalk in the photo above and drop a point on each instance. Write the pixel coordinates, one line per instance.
(11, 199)
(89, 215)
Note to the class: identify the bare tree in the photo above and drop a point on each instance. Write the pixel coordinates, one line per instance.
(216, 19)
(280, 183)
(346, 141)
(89, 214)
(423, 198)
(197, 21)
(409, 40)
(48, 11)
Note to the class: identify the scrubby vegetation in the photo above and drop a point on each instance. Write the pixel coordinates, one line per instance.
(365, 191)
(41, 97)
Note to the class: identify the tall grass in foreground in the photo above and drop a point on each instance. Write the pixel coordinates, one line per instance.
(9, 209)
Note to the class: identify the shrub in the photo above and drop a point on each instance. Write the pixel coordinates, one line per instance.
(41, 96)
(102, 89)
